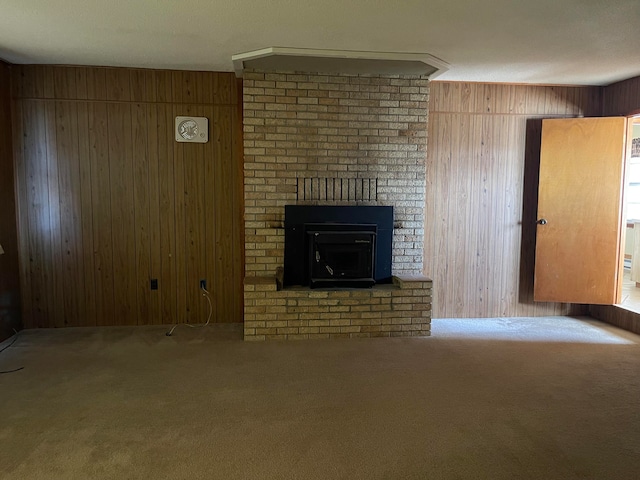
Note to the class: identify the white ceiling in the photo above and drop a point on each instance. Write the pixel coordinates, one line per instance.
(590, 42)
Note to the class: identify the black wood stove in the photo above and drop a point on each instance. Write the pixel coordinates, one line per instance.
(335, 246)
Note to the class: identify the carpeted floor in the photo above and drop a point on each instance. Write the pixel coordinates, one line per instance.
(529, 398)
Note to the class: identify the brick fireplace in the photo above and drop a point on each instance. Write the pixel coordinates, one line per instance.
(316, 139)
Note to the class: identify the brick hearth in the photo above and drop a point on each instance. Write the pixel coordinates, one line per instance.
(400, 309)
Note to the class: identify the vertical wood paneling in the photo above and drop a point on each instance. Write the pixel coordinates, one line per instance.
(109, 201)
(53, 281)
(101, 209)
(622, 98)
(86, 221)
(237, 235)
(97, 84)
(39, 221)
(22, 209)
(483, 246)
(9, 265)
(122, 212)
(81, 83)
(139, 92)
(155, 251)
(180, 234)
(64, 83)
(141, 213)
(477, 249)
(70, 196)
(222, 209)
(164, 88)
(223, 89)
(167, 227)
(118, 83)
(197, 226)
(211, 225)
(617, 315)
(460, 138)
(204, 85)
(193, 202)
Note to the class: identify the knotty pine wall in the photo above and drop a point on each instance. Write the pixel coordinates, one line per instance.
(482, 161)
(9, 273)
(107, 200)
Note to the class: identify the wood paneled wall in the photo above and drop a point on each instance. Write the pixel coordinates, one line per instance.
(621, 98)
(107, 200)
(9, 276)
(482, 167)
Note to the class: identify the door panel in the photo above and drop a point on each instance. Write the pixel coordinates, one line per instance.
(578, 254)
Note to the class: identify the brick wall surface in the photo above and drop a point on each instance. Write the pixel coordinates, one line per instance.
(334, 140)
(401, 309)
(333, 131)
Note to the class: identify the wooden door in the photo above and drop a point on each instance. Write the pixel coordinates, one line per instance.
(579, 232)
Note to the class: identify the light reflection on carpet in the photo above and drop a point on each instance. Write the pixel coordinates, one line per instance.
(532, 329)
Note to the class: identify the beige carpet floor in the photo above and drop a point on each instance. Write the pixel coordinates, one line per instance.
(532, 398)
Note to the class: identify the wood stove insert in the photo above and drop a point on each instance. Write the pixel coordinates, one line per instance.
(335, 246)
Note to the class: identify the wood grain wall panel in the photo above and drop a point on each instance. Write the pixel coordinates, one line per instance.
(64, 86)
(52, 158)
(122, 212)
(237, 161)
(118, 81)
(223, 209)
(155, 259)
(96, 84)
(618, 316)
(10, 317)
(108, 200)
(142, 218)
(70, 210)
(185, 159)
(195, 226)
(21, 207)
(38, 221)
(478, 251)
(167, 227)
(101, 213)
(622, 98)
(138, 82)
(164, 86)
(81, 83)
(86, 221)
(211, 225)
(180, 233)
(204, 84)
(204, 156)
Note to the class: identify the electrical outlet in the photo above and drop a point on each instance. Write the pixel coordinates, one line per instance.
(154, 284)
(203, 284)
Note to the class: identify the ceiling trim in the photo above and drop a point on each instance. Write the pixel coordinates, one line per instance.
(433, 66)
